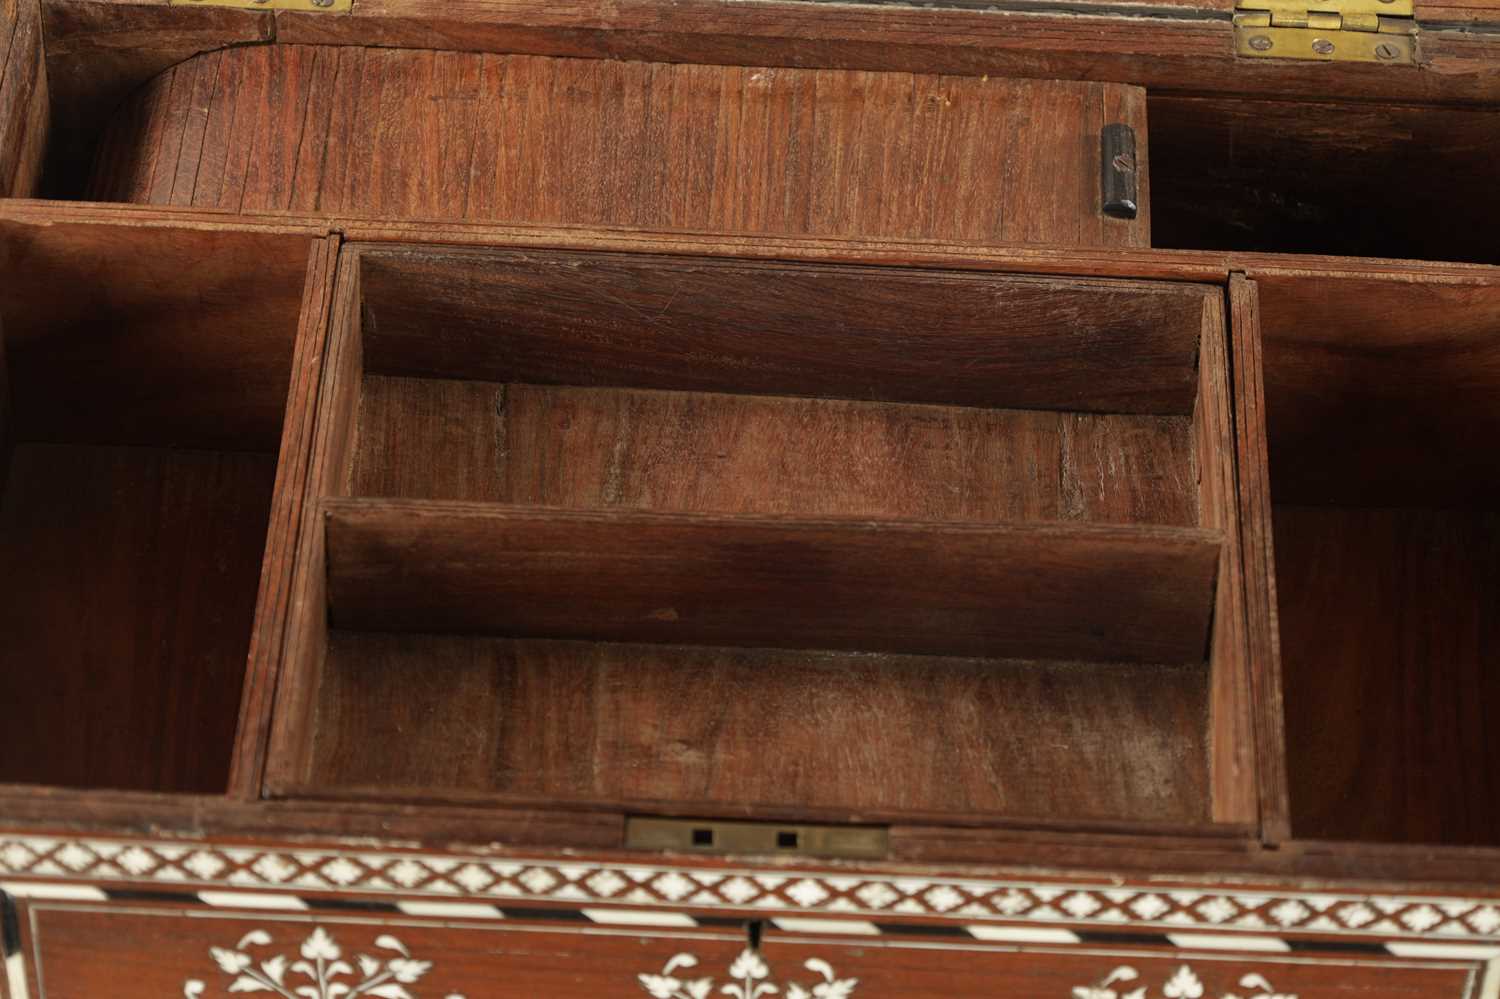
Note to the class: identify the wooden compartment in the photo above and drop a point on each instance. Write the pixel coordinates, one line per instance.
(672, 535)
(1382, 402)
(146, 372)
(1317, 176)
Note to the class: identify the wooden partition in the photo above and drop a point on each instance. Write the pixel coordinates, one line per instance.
(665, 493)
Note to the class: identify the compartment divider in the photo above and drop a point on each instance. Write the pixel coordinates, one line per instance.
(1137, 594)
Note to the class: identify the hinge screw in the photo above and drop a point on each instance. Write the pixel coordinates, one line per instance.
(1386, 50)
(1260, 43)
(1322, 46)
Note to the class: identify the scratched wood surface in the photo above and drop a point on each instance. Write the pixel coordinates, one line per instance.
(709, 435)
(444, 135)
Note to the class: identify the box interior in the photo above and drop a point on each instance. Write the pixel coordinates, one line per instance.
(1383, 402)
(146, 378)
(555, 577)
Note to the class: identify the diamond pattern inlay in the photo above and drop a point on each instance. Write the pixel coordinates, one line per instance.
(457, 875)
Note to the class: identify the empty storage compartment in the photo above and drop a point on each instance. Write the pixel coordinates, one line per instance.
(656, 533)
(1383, 409)
(146, 373)
(1304, 176)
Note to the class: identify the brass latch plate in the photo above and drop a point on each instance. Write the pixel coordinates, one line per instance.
(312, 6)
(1379, 31)
(790, 839)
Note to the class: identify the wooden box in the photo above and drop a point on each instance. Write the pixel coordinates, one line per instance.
(669, 499)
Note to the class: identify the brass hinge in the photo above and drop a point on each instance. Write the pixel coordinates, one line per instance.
(1382, 31)
(311, 6)
(693, 836)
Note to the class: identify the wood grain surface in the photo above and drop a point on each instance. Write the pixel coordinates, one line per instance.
(1231, 708)
(328, 473)
(284, 530)
(1259, 560)
(735, 728)
(179, 336)
(1140, 594)
(734, 326)
(130, 588)
(701, 452)
(1175, 50)
(1389, 637)
(1382, 392)
(171, 341)
(453, 135)
(24, 99)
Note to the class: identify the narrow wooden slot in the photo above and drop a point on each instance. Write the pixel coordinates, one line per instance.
(726, 484)
(147, 377)
(1382, 402)
(1037, 591)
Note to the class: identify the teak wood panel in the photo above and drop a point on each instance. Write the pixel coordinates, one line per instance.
(124, 647)
(458, 135)
(24, 105)
(632, 321)
(1167, 51)
(725, 729)
(1174, 48)
(1388, 623)
(1382, 392)
(724, 325)
(283, 533)
(595, 448)
(167, 336)
(1101, 593)
(147, 382)
(1263, 652)
(1385, 539)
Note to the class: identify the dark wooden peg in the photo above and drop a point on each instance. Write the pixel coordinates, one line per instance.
(1117, 147)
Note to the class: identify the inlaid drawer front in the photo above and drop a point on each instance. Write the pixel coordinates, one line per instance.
(905, 969)
(79, 949)
(160, 917)
(88, 951)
